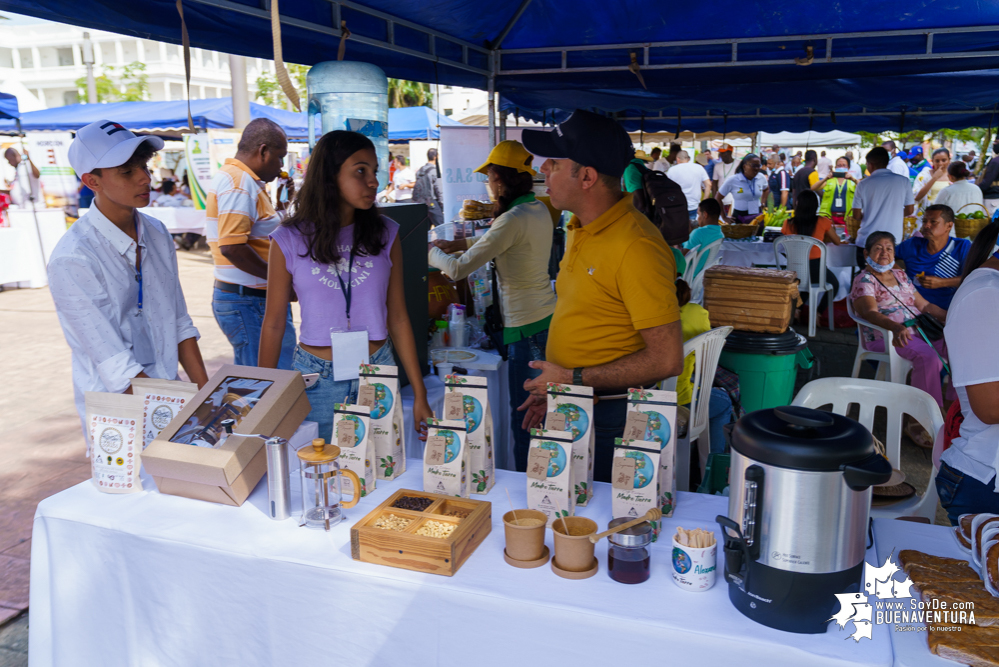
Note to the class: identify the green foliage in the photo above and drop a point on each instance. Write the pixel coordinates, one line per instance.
(131, 77)
(908, 139)
(269, 90)
(402, 93)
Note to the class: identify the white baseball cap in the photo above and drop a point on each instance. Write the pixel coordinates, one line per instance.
(105, 144)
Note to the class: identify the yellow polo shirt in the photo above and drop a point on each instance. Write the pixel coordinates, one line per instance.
(617, 277)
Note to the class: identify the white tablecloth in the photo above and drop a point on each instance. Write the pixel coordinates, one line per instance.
(890, 537)
(177, 219)
(51, 223)
(840, 259)
(15, 263)
(150, 579)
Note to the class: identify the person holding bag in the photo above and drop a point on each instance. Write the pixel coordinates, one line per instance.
(519, 243)
(883, 295)
(344, 261)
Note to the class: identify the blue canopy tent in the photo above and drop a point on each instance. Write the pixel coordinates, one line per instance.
(8, 106)
(416, 123)
(626, 56)
(158, 117)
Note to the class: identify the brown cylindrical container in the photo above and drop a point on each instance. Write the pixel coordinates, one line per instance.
(525, 543)
(574, 552)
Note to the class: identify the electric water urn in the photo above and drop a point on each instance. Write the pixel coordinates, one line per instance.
(797, 524)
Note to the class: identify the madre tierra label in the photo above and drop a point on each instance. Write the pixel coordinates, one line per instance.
(445, 458)
(549, 468)
(576, 405)
(378, 389)
(352, 430)
(467, 397)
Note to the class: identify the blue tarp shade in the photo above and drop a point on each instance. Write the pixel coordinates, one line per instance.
(951, 100)
(416, 123)
(8, 106)
(694, 39)
(155, 116)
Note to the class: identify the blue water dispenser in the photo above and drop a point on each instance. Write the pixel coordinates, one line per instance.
(350, 96)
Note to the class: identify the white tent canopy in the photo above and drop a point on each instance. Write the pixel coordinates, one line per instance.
(787, 139)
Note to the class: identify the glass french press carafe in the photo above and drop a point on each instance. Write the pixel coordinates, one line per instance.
(321, 501)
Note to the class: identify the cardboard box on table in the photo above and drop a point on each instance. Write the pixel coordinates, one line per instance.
(229, 473)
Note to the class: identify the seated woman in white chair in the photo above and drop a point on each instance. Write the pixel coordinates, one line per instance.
(807, 222)
(884, 296)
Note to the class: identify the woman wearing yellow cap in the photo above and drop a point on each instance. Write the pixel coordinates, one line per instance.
(520, 241)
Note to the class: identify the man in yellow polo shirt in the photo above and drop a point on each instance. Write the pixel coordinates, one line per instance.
(616, 323)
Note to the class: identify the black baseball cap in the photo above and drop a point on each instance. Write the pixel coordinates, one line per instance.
(587, 138)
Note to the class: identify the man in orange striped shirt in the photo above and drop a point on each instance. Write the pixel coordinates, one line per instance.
(239, 221)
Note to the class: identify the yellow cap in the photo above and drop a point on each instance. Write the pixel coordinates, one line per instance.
(510, 154)
(642, 155)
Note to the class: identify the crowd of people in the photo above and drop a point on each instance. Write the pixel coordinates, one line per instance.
(617, 319)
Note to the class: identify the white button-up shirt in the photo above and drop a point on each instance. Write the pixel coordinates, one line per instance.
(92, 279)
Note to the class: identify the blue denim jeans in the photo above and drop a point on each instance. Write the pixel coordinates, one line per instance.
(240, 318)
(520, 354)
(609, 417)
(327, 391)
(963, 494)
(719, 414)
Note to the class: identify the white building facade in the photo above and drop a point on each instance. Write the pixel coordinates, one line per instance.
(41, 62)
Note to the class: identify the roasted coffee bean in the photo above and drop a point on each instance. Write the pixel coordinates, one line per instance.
(413, 503)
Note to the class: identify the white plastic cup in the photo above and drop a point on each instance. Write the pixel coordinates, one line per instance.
(694, 569)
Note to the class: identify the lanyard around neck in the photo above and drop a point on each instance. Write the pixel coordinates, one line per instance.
(347, 289)
(138, 263)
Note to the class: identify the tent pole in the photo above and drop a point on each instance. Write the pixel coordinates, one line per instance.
(492, 100)
(240, 94)
(502, 127)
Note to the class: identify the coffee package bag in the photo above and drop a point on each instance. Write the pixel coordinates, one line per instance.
(549, 473)
(656, 411)
(635, 480)
(470, 396)
(378, 388)
(445, 458)
(573, 406)
(114, 444)
(352, 434)
(162, 400)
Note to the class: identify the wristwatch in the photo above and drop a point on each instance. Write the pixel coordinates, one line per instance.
(577, 376)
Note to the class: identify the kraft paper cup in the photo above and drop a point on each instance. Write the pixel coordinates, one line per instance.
(694, 569)
(574, 553)
(525, 543)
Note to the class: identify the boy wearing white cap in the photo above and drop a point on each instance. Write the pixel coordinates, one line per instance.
(113, 276)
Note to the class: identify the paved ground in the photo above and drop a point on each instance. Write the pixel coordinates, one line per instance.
(42, 450)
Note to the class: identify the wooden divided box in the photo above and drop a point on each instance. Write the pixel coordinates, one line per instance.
(748, 299)
(405, 546)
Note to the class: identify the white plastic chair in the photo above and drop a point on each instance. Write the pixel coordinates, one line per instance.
(797, 249)
(891, 367)
(691, 257)
(711, 250)
(706, 349)
(898, 400)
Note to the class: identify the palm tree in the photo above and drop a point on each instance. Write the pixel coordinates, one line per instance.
(403, 93)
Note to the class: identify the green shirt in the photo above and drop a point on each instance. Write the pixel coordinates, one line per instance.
(633, 175)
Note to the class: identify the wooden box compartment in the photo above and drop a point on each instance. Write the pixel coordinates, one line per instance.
(405, 549)
(749, 299)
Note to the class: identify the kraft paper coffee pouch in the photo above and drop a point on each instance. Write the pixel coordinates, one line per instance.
(114, 446)
(162, 400)
(352, 434)
(576, 404)
(659, 409)
(635, 480)
(479, 422)
(445, 458)
(385, 402)
(549, 473)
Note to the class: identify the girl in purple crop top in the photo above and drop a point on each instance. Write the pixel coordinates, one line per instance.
(336, 247)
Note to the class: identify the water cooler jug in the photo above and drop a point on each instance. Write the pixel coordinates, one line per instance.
(350, 96)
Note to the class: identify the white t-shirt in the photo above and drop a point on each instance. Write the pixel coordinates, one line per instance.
(18, 182)
(960, 194)
(660, 165)
(690, 176)
(882, 197)
(972, 320)
(855, 170)
(824, 167)
(745, 193)
(897, 166)
(722, 173)
(403, 176)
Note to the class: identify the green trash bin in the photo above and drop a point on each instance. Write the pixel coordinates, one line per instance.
(767, 366)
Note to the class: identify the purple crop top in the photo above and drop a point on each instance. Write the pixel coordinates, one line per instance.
(318, 289)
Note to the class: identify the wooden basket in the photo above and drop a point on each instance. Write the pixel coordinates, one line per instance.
(739, 231)
(852, 226)
(761, 300)
(405, 549)
(969, 228)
